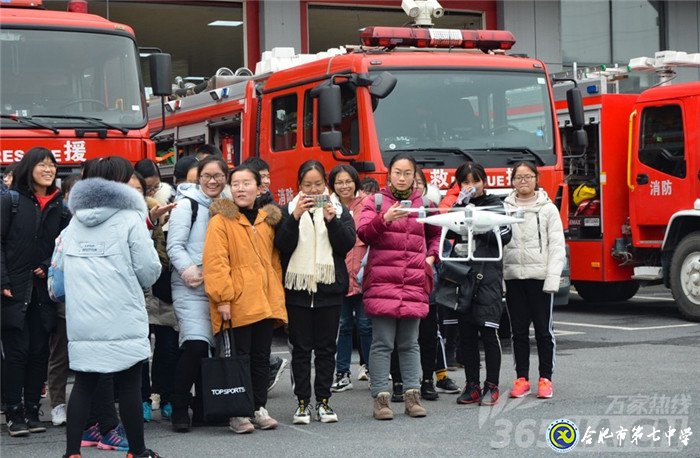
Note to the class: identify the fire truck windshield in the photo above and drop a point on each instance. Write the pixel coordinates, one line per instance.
(494, 117)
(62, 78)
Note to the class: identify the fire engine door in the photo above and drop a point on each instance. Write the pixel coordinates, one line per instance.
(660, 174)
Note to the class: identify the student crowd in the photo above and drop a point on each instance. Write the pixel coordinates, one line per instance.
(144, 260)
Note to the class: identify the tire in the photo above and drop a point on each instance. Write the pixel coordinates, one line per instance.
(685, 276)
(594, 291)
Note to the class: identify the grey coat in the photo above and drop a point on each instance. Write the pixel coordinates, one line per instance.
(108, 260)
(185, 247)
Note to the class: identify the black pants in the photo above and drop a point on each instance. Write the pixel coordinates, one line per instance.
(26, 358)
(159, 379)
(102, 410)
(86, 383)
(449, 330)
(255, 341)
(188, 372)
(313, 329)
(527, 303)
(469, 341)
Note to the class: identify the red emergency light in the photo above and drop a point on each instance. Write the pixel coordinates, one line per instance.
(437, 38)
(22, 3)
(77, 6)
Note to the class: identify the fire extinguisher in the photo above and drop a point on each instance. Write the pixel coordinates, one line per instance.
(227, 148)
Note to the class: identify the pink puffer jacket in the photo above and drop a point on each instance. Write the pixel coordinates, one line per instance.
(397, 280)
(353, 261)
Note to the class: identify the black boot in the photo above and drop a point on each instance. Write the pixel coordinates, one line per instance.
(31, 415)
(181, 414)
(16, 424)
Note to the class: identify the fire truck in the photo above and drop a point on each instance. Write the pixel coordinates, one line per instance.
(71, 82)
(634, 191)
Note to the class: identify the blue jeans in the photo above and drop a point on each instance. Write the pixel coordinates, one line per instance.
(352, 304)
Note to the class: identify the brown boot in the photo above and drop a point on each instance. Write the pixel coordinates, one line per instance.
(413, 406)
(382, 411)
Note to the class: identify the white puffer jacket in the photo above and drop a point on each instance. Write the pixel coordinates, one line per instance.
(536, 250)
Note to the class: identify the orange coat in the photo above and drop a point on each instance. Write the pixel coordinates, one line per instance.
(242, 266)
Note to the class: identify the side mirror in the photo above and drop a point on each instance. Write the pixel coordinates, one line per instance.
(382, 85)
(579, 139)
(575, 103)
(161, 68)
(331, 140)
(329, 105)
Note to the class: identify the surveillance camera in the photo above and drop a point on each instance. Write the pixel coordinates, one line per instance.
(410, 7)
(438, 10)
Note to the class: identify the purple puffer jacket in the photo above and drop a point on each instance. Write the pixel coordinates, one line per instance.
(397, 280)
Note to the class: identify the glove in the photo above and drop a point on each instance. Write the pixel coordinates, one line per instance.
(465, 196)
(192, 276)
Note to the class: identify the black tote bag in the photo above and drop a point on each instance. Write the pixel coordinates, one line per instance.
(226, 385)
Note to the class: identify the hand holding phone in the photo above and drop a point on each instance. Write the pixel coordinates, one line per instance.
(406, 204)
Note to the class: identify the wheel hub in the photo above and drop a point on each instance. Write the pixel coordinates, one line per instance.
(690, 277)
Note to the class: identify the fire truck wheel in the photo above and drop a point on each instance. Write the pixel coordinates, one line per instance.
(593, 291)
(685, 276)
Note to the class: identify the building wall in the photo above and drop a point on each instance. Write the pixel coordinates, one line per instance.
(683, 32)
(280, 24)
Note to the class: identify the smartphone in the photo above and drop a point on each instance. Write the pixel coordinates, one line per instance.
(319, 199)
(406, 203)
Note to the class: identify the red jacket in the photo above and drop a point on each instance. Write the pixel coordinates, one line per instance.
(397, 280)
(353, 261)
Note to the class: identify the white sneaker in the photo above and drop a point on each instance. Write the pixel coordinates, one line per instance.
(262, 420)
(342, 383)
(155, 401)
(363, 375)
(58, 415)
(241, 425)
(302, 416)
(325, 412)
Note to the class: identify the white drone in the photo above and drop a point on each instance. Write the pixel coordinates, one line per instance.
(467, 221)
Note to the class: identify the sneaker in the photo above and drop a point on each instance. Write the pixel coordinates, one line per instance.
(427, 390)
(544, 388)
(413, 406)
(302, 416)
(31, 418)
(16, 424)
(363, 374)
(342, 383)
(58, 415)
(241, 425)
(276, 370)
(447, 385)
(155, 401)
(521, 387)
(471, 394)
(166, 411)
(325, 412)
(147, 412)
(490, 394)
(397, 394)
(382, 410)
(263, 420)
(148, 453)
(91, 436)
(114, 440)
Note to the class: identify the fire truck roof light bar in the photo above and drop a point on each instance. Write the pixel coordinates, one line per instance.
(437, 38)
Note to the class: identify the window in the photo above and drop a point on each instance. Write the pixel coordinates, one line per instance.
(348, 127)
(284, 123)
(308, 119)
(662, 144)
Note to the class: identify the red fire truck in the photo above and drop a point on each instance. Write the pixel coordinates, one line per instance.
(71, 82)
(634, 208)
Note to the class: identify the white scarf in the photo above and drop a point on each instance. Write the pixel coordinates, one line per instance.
(312, 260)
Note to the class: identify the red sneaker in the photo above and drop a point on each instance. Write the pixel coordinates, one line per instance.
(544, 388)
(521, 387)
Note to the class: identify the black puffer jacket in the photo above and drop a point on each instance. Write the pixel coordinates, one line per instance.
(341, 234)
(487, 306)
(28, 239)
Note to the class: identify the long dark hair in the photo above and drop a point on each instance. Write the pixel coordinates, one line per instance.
(308, 166)
(401, 157)
(147, 168)
(477, 172)
(113, 168)
(529, 165)
(22, 179)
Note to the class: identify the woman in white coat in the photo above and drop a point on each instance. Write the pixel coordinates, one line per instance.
(108, 259)
(534, 260)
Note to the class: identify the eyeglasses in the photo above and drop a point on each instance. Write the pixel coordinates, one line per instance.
(243, 184)
(150, 190)
(342, 184)
(46, 165)
(522, 178)
(219, 177)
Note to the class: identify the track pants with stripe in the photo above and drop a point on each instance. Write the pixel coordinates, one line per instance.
(527, 303)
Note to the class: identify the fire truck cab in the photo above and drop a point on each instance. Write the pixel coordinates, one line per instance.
(639, 222)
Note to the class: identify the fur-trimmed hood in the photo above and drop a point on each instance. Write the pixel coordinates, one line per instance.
(228, 209)
(94, 200)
